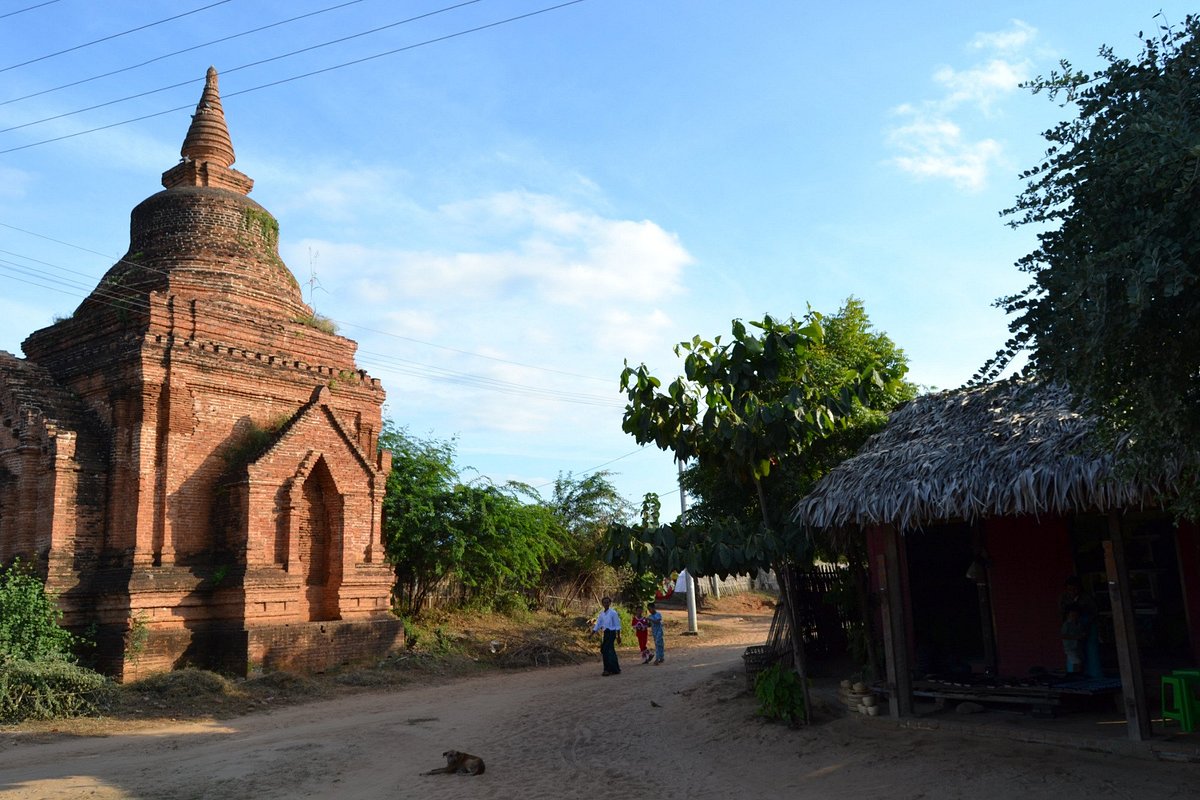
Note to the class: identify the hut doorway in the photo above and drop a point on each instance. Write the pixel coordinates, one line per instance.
(947, 634)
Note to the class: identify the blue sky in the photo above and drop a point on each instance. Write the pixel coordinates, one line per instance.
(500, 218)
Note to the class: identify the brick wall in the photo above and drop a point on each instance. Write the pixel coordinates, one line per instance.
(318, 646)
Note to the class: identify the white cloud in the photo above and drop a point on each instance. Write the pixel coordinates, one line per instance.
(1016, 38)
(543, 251)
(524, 279)
(931, 142)
(936, 148)
(980, 85)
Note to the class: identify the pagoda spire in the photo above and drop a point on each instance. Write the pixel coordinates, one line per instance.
(207, 151)
(208, 137)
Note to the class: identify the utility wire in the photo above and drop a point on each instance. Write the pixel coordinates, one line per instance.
(238, 68)
(340, 323)
(179, 52)
(112, 296)
(27, 8)
(110, 37)
(226, 95)
(582, 473)
(344, 324)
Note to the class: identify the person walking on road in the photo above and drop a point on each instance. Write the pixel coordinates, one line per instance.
(608, 624)
(656, 627)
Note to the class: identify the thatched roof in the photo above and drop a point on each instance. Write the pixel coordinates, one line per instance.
(1006, 448)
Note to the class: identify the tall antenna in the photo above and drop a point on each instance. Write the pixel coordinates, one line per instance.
(313, 283)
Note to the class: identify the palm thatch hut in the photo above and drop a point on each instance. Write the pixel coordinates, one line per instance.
(976, 505)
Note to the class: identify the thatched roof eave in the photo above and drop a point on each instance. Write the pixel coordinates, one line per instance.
(1014, 448)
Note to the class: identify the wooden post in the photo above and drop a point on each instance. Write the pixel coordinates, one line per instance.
(979, 574)
(1137, 716)
(895, 635)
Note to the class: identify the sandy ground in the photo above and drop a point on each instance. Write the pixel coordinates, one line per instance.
(683, 729)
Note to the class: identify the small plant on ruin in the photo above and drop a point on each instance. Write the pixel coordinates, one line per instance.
(136, 637)
(344, 377)
(319, 322)
(253, 439)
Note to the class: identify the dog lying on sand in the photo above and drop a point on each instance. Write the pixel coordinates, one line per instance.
(459, 764)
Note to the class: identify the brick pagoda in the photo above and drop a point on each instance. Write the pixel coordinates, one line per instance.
(191, 460)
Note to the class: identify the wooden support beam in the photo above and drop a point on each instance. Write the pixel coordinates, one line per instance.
(895, 635)
(1137, 715)
(980, 575)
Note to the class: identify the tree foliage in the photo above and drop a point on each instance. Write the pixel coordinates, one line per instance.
(585, 507)
(495, 543)
(749, 410)
(762, 416)
(1113, 307)
(30, 620)
(849, 344)
(502, 544)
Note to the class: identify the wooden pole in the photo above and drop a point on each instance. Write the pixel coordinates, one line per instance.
(1137, 716)
(981, 577)
(895, 634)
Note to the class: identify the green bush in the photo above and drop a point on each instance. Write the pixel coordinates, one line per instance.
(49, 690)
(29, 619)
(780, 694)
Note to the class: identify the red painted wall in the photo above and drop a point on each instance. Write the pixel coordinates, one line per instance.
(1030, 560)
(1188, 538)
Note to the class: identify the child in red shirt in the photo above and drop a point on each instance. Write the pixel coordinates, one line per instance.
(641, 627)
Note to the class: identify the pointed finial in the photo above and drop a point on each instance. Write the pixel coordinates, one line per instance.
(207, 149)
(208, 137)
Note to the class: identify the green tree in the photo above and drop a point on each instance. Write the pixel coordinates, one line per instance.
(1113, 307)
(585, 507)
(497, 541)
(742, 409)
(849, 343)
(30, 620)
(419, 514)
(505, 543)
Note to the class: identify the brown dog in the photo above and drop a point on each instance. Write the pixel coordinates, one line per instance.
(459, 764)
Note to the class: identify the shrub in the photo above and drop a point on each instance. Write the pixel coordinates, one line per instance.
(780, 694)
(29, 619)
(49, 690)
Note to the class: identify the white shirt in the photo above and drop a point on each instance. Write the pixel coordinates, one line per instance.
(608, 620)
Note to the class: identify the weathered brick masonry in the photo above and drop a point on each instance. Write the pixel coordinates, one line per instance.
(189, 460)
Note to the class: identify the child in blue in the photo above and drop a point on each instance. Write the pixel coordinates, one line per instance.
(656, 629)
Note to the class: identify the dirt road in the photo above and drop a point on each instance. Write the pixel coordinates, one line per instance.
(683, 729)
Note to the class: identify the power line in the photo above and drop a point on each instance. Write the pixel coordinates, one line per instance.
(179, 52)
(27, 8)
(596, 468)
(338, 322)
(238, 68)
(564, 373)
(114, 35)
(111, 296)
(281, 81)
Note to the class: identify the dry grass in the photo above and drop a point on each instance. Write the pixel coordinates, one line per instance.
(443, 648)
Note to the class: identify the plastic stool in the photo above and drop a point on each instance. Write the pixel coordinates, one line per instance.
(1182, 706)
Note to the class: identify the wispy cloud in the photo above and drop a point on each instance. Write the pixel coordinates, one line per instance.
(544, 282)
(930, 138)
(936, 148)
(13, 183)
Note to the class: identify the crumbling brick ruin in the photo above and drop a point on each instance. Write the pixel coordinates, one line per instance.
(190, 460)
